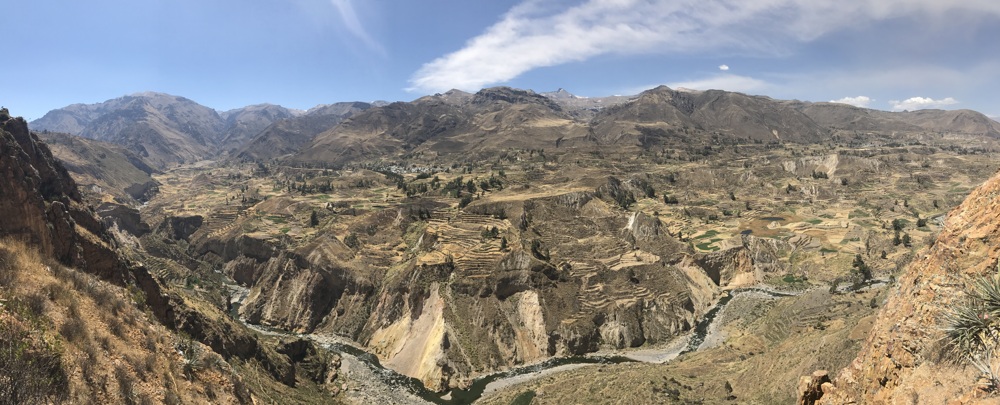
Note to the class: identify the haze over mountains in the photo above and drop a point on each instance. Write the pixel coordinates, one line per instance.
(167, 130)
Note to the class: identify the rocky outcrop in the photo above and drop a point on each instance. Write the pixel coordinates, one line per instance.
(811, 388)
(124, 217)
(747, 263)
(181, 227)
(39, 203)
(901, 360)
(296, 294)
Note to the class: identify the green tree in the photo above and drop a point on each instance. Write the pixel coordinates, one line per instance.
(313, 220)
(862, 268)
(465, 201)
(352, 241)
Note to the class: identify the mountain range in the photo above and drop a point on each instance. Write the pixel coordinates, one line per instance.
(167, 130)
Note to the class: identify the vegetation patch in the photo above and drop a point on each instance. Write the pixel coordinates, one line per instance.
(708, 234)
(524, 398)
(972, 331)
(710, 245)
(858, 214)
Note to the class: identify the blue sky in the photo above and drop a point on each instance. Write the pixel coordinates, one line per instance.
(884, 54)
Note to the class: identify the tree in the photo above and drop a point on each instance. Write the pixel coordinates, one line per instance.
(503, 243)
(313, 220)
(624, 199)
(352, 241)
(466, 200)
(862, 268)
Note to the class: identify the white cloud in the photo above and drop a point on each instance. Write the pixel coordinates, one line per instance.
(859, 101)
(723, 67)
(349, 17)
(537, 33)
(920, 103)
(727, 82)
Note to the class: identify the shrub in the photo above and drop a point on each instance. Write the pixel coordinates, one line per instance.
(37, 302)
(193, 356)
(8, 269)
(972, 332)
(31, 369)
(126, 384)
(352, 241)
(74, 330)
(466, 200)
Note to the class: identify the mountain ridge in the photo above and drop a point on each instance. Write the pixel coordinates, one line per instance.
(168, 130)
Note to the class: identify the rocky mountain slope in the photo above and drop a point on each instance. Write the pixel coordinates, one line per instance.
(163, 129)
(904, 358)
(661, 113)
(584, 107)
(243, 124)
(500, 118)
(101, 168)
(491, 120)
(848, 117)
(287, 136)
(40, 204)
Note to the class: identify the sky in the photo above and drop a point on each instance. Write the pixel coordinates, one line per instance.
(883, 54)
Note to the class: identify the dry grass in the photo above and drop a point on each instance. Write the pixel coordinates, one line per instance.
(83, 341)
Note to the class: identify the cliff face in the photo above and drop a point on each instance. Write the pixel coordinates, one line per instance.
(40, 204)
(903, 357)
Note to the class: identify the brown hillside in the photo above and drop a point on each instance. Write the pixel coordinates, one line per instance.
(902, 359)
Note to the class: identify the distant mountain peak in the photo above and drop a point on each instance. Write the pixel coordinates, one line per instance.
(561, 94)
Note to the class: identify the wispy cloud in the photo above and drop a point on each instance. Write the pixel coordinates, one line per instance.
(723, 67)
(859, 101)
(349, 17)
(920, 103)
(537, 34)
